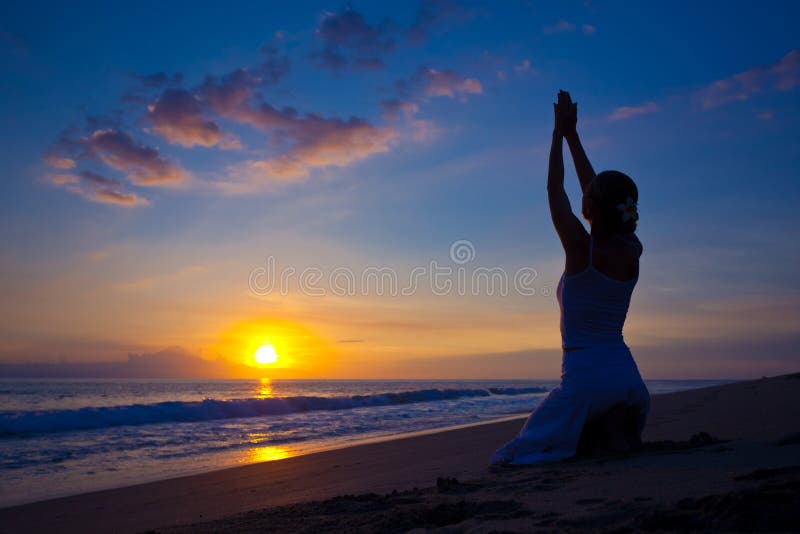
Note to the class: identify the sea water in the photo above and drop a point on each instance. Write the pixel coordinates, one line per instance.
(62, 437)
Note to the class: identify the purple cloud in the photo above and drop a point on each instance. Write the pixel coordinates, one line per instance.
(348, 40)
(562, 26)
(229, 93)
(781, 76)
(143, 164)
(395, 109)
(433, 14)
(298, 142)
(626, 112)
(177, 117)
(96, 188)
(275, 66)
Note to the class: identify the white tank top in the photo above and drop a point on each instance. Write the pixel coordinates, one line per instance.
(593, 307)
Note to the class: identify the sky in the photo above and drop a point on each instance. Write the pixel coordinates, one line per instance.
(362, 185)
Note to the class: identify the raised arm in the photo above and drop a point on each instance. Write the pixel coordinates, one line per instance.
(568, 125)
(569, 228)
(583, 168)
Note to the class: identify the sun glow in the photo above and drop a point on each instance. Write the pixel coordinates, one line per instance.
(266, 354)
(275, 348)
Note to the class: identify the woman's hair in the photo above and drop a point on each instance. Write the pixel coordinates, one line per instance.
(614, 196)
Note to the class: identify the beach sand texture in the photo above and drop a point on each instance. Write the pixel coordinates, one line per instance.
(724, 457)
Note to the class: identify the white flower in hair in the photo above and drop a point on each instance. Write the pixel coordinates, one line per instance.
(628, 209)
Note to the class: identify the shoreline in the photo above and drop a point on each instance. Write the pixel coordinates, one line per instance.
(319, 447)
(748, 412)
(271, 483)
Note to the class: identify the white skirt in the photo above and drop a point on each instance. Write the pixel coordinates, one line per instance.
(593, 380)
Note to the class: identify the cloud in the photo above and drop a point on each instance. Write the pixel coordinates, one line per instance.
(176, 116)
(765, 115)
(445, 83)
(316, 142)
(143, 164)
(524, 66)
(562, 26)
(433, 14)
(395, 109)
(96, 188)
(227, 94)
(64, 152)
(426, 83)
(626, 112)
(171, 362)
(100, 255)
(275, 65)
(308, 141)
(781, 76)
(424, 130)
(298, 142)
(161, 278)
(348, 40)
(59, 162)
(320, 142)
(141, 91)
(421, 130)
(588, 29)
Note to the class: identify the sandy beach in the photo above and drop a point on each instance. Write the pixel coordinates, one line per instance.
(723, 458)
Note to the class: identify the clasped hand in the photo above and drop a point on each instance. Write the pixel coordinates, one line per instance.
(566, 114)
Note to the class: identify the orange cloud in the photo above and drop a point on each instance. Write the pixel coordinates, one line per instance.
(308, 141)
(318, 143)
(59, 162)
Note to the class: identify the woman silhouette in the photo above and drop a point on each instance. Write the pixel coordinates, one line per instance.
(602, 401)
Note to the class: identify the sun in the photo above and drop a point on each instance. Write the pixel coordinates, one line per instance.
(266, 354)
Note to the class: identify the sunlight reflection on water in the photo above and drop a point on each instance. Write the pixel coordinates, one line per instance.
(264, 389)
(266, 454)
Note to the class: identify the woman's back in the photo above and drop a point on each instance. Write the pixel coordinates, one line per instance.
(616, 256)
(594, 302)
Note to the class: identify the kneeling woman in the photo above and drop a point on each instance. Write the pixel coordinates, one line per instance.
(601, 387)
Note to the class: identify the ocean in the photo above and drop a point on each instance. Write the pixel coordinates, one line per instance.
(63, 437)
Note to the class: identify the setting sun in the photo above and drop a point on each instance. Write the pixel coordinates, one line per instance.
(266, 354)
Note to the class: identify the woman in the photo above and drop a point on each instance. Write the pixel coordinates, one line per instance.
(602, 401)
